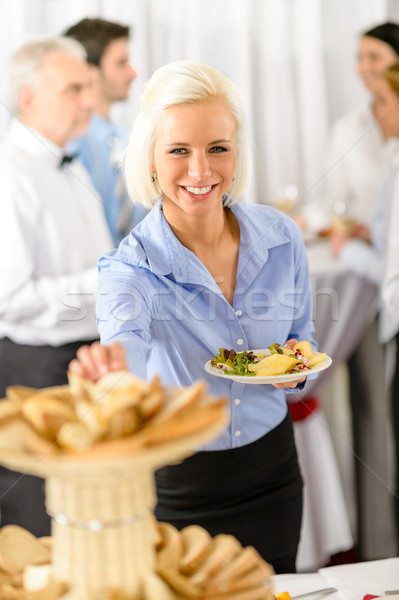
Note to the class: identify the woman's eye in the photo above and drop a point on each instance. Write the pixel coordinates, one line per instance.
(178, 151)
(218, 149)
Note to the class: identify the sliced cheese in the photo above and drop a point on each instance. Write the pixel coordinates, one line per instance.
(306, 348)
(275, 364)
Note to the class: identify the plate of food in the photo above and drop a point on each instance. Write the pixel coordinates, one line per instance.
(275, 364)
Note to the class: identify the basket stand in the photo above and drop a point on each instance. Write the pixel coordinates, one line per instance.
(103, 530)
(101, 505)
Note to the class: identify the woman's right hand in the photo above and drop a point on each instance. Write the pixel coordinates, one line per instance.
(92, 362)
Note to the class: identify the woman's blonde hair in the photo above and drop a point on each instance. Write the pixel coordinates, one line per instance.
(182, 82)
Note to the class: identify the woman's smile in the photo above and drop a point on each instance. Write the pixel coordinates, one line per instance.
(194, 156)
(199, 193)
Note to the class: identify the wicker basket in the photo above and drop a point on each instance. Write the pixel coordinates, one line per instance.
(101, 511)
(102, 530)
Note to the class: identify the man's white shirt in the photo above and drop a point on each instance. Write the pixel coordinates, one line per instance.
(52, 232)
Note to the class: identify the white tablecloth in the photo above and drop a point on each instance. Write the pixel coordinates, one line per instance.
(344, 305)
(326, 526)
(353, 581)
(345, 314)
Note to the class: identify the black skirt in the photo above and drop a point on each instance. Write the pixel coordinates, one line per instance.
(253, 492)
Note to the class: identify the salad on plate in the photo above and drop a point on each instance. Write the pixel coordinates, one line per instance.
(274, 360)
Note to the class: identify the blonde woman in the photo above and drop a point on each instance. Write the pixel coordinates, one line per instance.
(200, 272)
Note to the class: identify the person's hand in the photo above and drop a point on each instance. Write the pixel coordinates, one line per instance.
(341, 235)
(338, 240)
(92, 362)
(288, 384)
(362, 232)
(292, 384)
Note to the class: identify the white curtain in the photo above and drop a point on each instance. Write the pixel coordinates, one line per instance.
(293, 61)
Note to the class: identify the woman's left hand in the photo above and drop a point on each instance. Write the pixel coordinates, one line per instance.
(292, 384)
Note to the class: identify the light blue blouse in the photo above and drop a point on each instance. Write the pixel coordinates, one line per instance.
(163, 305)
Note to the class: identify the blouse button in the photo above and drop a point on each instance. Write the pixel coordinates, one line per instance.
(237, 401)
(240, 342)
(237, 433)
(238, 312)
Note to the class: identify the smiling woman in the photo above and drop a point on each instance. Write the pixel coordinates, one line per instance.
(193, 276)
(196, 172)
(195, 175)
(161, 99)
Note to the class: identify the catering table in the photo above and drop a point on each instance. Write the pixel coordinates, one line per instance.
(353, 581)
(344, 307)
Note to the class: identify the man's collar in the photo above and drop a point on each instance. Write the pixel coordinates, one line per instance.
(34, 143)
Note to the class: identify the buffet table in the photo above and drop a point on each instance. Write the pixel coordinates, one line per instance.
(352, 582)
(344, 307)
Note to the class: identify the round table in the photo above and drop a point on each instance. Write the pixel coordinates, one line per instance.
(344, 305)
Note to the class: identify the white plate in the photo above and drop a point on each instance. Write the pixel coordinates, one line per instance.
(324, 364)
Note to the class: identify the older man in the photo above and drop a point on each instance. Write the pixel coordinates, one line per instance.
(100, 148)
(52, 231)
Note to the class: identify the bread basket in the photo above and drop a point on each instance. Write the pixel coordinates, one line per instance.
(101, 506)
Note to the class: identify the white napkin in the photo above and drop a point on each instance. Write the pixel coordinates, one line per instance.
(357, 580)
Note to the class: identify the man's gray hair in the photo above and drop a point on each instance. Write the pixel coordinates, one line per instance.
(25, 64)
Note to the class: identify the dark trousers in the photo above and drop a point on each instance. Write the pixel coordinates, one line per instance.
(22, 496)
(395, 418)
(371, 416)
(253, 492)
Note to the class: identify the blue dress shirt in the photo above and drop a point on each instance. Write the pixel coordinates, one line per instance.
(100, 150)
(163, 305)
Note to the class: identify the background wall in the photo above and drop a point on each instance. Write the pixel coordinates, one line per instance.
(292, 59)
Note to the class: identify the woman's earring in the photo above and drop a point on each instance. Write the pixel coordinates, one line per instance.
(153, 177)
